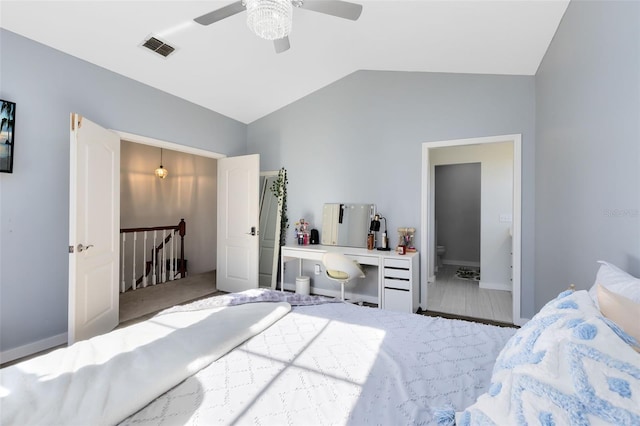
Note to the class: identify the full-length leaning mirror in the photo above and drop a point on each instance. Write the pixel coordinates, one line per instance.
(270, 223)
(346, 224)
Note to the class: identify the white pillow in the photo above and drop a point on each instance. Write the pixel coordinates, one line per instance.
(617, 281)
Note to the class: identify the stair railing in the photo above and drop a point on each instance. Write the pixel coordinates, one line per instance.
(154, 270)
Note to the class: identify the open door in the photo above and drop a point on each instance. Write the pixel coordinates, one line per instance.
(238, 220)
(94, 225)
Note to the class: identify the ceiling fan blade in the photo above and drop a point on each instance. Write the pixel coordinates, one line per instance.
(341, 9)
(220, 14)
(281, 44)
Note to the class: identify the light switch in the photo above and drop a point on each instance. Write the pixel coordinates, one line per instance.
(506, 218)
(316, 269)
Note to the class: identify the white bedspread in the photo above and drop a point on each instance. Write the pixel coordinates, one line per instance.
(338, 364)
(105, 379)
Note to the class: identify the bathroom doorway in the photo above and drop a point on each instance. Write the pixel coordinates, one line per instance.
(490, 289)
(457, 217)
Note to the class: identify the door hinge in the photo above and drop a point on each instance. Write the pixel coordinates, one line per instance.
(76, 118)
(70, 249)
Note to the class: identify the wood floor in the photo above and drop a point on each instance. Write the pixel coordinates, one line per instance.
(452, 295)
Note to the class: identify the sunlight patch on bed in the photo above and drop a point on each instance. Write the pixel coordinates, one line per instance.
(310, 355)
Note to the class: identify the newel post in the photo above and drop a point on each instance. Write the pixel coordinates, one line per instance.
(182, 230)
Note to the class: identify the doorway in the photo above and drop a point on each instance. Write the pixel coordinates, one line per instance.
(188, 192)
(500, 160)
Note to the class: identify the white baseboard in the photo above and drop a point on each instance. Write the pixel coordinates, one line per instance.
(461, 263)
(494, 286)
(32, 348)
(336, 293)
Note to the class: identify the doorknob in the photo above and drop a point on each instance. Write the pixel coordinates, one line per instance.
(82, 248)
(253, 231)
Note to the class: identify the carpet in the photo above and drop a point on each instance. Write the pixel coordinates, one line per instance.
(151, 299)
(468, 274)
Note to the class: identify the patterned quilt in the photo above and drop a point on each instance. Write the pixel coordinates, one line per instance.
(337, 363)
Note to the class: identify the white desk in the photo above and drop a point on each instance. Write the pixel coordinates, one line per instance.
(397, 275)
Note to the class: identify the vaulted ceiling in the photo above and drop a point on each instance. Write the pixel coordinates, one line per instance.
(226, 68)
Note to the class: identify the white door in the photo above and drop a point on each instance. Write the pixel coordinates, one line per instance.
(94, 227)
(238, 211)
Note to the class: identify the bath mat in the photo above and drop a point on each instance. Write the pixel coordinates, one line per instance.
(468, 274)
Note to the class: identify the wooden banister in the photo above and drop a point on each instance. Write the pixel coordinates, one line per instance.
(181, 230)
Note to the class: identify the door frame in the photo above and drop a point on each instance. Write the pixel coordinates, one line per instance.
(427, 225)
(159, 143)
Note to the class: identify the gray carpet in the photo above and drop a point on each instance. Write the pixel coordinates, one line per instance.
(143, 302)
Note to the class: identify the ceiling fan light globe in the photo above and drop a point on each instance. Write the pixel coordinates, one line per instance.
(270, 19)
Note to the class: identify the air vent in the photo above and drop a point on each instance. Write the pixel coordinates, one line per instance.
(158, 46)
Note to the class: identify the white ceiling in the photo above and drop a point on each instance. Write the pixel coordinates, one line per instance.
(226, 68)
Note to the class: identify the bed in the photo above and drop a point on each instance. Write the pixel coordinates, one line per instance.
(303, 360)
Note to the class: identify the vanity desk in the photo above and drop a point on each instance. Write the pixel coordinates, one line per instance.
(397, 275)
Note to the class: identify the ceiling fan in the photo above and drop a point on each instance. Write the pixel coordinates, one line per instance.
(271, 19)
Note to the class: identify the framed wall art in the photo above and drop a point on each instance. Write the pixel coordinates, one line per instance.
(7, 133)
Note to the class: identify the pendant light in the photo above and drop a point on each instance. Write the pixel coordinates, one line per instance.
(161, 172)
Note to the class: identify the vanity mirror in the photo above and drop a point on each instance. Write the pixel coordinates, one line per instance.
(346, 224)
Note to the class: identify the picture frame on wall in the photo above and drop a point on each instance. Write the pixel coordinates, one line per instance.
(7, 133)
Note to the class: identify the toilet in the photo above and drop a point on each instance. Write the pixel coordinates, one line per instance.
(440, 251)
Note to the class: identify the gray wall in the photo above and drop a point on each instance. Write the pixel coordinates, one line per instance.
(588, 147)
(47, 85)
(457, 212)
(360, 140)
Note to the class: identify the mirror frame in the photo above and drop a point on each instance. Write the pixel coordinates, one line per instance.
(276, 247)
(327, 228)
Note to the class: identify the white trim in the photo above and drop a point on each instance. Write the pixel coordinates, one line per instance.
(495, 286)
(32, 348)
(145, 140)
(427, 226)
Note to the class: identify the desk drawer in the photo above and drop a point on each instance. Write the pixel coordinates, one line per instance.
(397, 284)
(397, 300)
(397, 263)
(364, 260)
(306, 254)
(397, 273)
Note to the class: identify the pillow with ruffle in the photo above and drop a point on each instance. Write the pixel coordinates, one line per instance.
(568, 365)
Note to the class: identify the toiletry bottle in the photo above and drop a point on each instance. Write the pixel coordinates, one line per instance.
(370, 241)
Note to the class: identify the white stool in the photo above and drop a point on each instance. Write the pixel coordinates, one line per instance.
(302, 285)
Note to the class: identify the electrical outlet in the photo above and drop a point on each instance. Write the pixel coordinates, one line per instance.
(316, 269)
